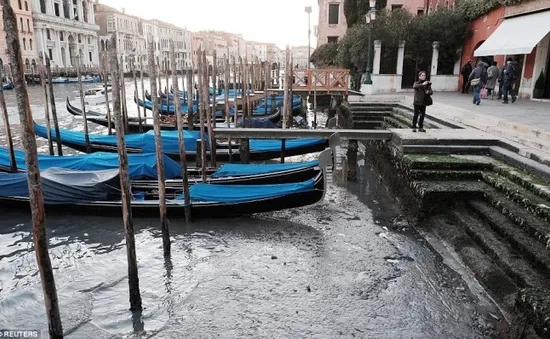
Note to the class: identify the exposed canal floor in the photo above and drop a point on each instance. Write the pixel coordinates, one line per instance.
(349, 267)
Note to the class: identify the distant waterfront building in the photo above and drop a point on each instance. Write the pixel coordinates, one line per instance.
(300, 57)
(23, 14)
(66, 30)
(332, 24)
(129, 37)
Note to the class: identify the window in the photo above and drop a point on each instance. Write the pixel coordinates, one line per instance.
(48, 34)
(61, 38)
(30, 44)
(90, 54)
(420, 12)
(21, 22)
(50, 53)
(79, 38)
(56, 9)
(333, 14)
(89, 40)
(332, 39)
(28, 25)
(396, 7)
(43, 6)
(26, 6)
(24, 44)
(19, 3)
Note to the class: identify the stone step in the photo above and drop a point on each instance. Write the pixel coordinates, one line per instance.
(427, 120)
(519, 239)
(537, 228)
(395, 123)
(446, 162)
(486, 271)
(430, 116)
(499, 250)
(530, 201)
(439, 149)
(532, 183)
(418, 174)
(368, 124)
(524, 161)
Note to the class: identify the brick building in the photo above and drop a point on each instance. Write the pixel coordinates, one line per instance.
(332, 24)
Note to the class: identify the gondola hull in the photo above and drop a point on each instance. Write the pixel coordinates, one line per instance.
(150, 208)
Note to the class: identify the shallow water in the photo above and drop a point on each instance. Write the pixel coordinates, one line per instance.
(349, 267)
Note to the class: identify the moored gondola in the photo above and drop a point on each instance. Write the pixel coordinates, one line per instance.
(85, 192)
(260, 149)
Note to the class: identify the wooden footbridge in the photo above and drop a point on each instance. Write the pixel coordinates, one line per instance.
(331, 81)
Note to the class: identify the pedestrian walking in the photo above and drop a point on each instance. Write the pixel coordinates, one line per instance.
(466, 71)
(508, 78)
(493, 74)
(478, 79)
(422, 98)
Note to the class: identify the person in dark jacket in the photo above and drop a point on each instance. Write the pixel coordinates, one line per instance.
(508, 78)
(478, 79)
(422, 89)
(465, 72)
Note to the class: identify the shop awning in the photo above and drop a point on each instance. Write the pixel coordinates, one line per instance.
(517, 35)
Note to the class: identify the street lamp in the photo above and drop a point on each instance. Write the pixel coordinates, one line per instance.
(369, 19)
(308, 11)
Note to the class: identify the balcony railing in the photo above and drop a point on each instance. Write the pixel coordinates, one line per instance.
(330, 80)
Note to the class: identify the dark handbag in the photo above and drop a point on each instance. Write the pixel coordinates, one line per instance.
(428, 100)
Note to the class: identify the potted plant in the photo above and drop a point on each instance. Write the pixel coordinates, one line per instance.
(540, 85)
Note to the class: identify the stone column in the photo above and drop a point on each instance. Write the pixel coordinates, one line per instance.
(435, 58)
(400, 57)
(95, 52)
(57, 52)
(68, 62)
(377, 55)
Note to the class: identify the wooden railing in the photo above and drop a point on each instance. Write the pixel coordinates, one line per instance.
(330, 80)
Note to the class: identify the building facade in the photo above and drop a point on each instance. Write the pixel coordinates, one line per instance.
(66, 31)
(129, 37)
(415, 7)
(500, 34)
(332, 24)
(300, 57)
(23, 14)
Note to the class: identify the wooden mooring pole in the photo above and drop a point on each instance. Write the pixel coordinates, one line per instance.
(212, 113)
(7, 129)
(54, 109)
(244, 147)
(179, 122)
(190, 99)
(105, 80)
(42, 71)
(136, 94)
(123, 94)
(227, 79)
(204, 109)
(133, 278)
(36, 197)
(83, 105)
(142, 84)
(160, 153)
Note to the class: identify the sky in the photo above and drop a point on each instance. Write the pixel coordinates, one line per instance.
(277, 21)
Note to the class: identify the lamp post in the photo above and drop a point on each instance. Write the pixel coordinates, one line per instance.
(369, 18)
(308, 11)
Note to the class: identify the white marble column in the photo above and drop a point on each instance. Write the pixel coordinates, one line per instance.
(57, 49)
(400, 57)
(377, 55)
(435, 58)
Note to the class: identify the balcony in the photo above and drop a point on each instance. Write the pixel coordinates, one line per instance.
(63, 21)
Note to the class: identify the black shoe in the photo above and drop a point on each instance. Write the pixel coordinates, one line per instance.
(514, 100)
(505, 102)
(414, 129)
(422, 130)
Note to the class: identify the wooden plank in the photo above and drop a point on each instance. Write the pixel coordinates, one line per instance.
(263, 133)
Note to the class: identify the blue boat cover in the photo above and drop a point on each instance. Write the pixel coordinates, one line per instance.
(61, 186)
(235, 170)
(146, 141)
(243, 193)
(270, 145)
(143, 141)
(140, 166)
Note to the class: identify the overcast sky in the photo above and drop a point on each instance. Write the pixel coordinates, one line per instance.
(281, 21)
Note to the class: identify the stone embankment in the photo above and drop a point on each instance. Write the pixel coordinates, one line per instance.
(477, 192)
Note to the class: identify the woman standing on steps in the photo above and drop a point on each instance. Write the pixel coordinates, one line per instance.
(422, 98)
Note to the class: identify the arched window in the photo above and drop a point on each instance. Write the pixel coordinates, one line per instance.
(28, 25)
(21, 22)
(24, 44)
(61, 37)
(102, 45)
(43, 6)
(26, 6)
(30, 44)
(19, 3)
(27, 65)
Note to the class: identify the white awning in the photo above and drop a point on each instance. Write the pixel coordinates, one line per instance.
(517, 35)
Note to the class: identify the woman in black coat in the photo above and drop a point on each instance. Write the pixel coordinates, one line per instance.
(422, 98)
